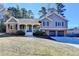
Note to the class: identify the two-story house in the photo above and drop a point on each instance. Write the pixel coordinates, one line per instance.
(54, 24)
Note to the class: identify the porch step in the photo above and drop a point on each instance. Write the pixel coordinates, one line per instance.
(29, 34)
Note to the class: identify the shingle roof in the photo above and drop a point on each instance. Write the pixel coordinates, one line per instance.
(46, 16)
(28, 20)
(25, 21)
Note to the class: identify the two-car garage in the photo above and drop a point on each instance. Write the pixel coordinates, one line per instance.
(56, 33)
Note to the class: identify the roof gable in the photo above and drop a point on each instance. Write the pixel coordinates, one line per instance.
(57, 15)
(45, 17)
(11, 19)
(52, 15)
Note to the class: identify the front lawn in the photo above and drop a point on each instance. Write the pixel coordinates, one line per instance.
(23, 46)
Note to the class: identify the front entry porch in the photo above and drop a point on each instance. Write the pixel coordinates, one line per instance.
(29, 29)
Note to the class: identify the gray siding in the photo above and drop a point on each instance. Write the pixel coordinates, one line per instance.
(45, 20)
(54, 18)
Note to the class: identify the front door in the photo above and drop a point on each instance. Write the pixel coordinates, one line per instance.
(29, 31)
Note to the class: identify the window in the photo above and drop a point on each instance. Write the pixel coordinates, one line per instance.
(16, 26)
(59, 23)
(11, 27)
(8, 25)
(62, 23)
(55, 23)
(43, 23)
(47, 23)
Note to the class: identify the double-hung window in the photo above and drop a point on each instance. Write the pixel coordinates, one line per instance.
(59, 24)
(62, 23)
(43, 23)
(56, 23)
(47, 23)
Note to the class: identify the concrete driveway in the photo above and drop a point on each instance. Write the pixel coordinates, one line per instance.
(68, 40)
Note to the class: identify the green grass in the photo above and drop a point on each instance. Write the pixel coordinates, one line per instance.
(24, 46)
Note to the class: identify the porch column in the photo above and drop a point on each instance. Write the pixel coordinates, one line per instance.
(18, 26)
(56, 33)
(26, 28)
(47, 32)
(32, 28)
(26, 31)
(65, 32)
(7, 28)
(12, 26)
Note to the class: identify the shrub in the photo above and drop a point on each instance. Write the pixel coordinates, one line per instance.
(20, 32)
(39, 33)
(2, 27)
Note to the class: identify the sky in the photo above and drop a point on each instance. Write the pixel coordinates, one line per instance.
(71, 13)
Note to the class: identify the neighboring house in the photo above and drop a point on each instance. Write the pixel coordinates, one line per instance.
(27, 25)
(73, 30)
(54, 24)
